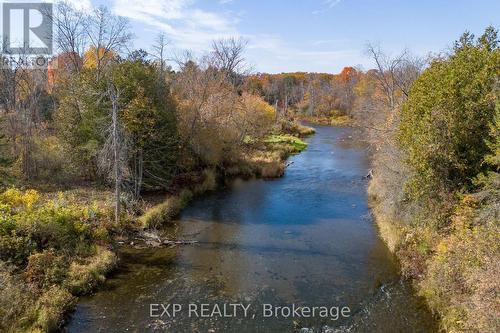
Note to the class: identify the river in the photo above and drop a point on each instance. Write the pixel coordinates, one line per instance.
(306, 239)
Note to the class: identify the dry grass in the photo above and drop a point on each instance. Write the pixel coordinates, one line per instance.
(296, 129)
(158, 215)
(50, 309)
(208, 184)
(84, 276)
(461, 283)
(266, 164)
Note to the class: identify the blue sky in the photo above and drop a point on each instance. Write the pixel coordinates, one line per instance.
(314, 35)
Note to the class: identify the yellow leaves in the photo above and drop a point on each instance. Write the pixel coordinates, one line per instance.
(16, 198)
(94, 58)
(470, 201)
(30, 198)
(258, 106)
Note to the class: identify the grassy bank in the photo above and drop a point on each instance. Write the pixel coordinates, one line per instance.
(456, 268)
(264, 159)
(436, 184)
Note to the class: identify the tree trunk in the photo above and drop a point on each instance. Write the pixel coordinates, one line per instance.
(116, 157)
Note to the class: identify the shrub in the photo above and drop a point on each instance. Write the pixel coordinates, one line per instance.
(44, 238)
(296, 129)
(12, 288)
(340, 120)
(462, 280)
(46, 268)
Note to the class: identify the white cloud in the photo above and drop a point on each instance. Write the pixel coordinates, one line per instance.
(187, 26)
(329, 5)
(190, 27)
(332, 3)
(83, 5)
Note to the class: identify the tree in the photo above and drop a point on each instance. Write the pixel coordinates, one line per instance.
(70, 36)
(448, 116)
(395, 74)
(227, 56)
(149, 120)
(108, 34)
(159, 51)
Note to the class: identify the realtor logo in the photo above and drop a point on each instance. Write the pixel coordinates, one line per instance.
(27, 28)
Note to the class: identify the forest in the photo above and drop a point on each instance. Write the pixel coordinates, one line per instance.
(108, 143)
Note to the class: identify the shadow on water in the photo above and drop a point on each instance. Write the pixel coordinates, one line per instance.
(305, 239)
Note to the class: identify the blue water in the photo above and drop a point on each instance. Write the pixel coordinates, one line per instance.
(306, 238)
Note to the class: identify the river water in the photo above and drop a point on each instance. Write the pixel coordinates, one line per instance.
(306, 239)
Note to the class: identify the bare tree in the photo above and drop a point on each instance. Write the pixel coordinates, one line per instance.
(113, 156)
(408, 71)
(21, 92)
(395, 74)
(159, 51)
(107, 33)
(386, 67)
(70, 34)
(227, 55)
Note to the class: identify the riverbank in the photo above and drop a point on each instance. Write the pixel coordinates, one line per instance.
(56, 246)
(334, 120)
(276, 242)
(265, 159)
(455, 269)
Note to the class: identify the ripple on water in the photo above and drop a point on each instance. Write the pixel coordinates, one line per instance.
(306, 238)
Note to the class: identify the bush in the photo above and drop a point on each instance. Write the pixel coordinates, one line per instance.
(462, 280)
(268, 164)
(296, 129)
(444, 237)
(46, 268)
(12, 288)
(51, 243)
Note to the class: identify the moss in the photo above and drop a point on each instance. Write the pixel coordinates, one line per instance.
(297, 144)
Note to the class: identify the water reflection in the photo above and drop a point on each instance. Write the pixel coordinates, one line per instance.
(306, 238)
